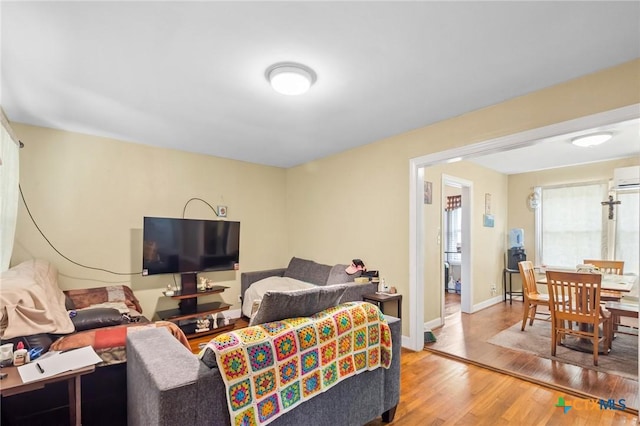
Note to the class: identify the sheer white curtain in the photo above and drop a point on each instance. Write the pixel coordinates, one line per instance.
(9, 172)
(627, 233)
(573, 227)
(453, 235)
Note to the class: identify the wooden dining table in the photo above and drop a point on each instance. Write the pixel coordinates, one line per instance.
(611, 282)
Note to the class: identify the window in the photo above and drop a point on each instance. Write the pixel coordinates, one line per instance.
(453, 235)
(573, 225)
(627, 234)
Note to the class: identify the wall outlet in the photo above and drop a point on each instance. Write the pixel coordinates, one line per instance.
(239, 298)
(493, 289)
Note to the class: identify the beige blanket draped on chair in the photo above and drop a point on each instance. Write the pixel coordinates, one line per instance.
(31, 301)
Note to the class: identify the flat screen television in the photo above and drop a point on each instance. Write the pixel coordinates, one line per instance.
(182, 246)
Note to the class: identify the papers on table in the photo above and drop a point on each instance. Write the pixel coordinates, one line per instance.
(54, 363)
(618, 282)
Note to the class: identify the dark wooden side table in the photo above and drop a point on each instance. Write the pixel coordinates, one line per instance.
(13, 385)
(510, 272)
(379, 299)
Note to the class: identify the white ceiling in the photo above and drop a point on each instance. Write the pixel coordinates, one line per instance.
(558, 151)
(190, 76)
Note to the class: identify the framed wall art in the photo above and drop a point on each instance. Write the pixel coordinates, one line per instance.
(428, 192)
(487, 203)
(487, 221)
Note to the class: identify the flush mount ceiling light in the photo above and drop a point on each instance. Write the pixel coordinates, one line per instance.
(290, 79)
(592, 139)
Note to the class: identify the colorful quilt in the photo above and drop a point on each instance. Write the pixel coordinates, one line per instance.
(269, 369)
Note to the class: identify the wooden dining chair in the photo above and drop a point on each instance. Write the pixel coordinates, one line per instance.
(575, 298)
(532, 297)
(615, 267)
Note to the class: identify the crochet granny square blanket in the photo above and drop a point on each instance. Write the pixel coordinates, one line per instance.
(271, 368)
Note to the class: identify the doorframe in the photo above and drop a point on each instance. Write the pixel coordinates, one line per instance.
(415, 340)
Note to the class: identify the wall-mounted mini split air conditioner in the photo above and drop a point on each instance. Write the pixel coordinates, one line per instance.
(626, 177)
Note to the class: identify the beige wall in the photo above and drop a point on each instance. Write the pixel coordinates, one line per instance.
(486, 243)
(357, 203)
(90, 194)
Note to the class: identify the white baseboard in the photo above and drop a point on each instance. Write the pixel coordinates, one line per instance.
(405, 342)
(489, 302)
(430, 325)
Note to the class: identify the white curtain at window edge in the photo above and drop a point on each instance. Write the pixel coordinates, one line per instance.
(9, 177)
(453, 234)
(627, 234)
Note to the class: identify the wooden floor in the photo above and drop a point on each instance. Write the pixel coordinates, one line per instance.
(441, 390)
(435, 390)
(464, 337)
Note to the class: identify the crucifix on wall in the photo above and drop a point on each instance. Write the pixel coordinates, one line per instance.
(610, 203)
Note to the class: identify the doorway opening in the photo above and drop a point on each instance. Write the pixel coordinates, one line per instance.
(457, 199)
(417, 273)
(452, 250)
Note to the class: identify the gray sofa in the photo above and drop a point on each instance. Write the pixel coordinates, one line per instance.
(314, 273)
(168, 385)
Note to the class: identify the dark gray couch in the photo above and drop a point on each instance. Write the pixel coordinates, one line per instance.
(168, 385)
(314, 273)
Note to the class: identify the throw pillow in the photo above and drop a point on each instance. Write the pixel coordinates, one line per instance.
(86, 319)
(278, 305)
(308, 271)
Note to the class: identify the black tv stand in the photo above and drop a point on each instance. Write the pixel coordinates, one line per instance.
(189, 285)
(189, 310)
